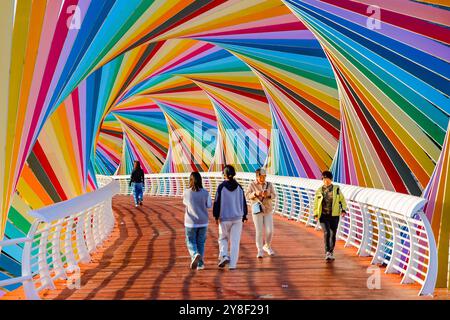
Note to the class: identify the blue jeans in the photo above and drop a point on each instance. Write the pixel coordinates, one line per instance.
(138, 192)
(195, 241)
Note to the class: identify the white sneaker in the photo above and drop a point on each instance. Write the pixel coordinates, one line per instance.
(201, 267)
(269, 250)
(224, 261)
(195, 261)
(331, 256)
(260, 254)
(327, 256)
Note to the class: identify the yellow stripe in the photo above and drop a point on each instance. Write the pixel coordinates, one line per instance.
(6, 25)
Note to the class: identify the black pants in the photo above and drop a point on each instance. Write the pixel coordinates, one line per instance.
(329, 226)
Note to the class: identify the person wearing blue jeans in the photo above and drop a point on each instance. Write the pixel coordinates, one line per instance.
(138, 193)
(195, 242)
(137, 180)
(197, 201)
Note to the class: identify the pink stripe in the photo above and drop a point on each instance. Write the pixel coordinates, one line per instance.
(67, 48)
(82, 109)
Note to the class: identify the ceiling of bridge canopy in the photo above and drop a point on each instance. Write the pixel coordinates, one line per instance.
(311, 85)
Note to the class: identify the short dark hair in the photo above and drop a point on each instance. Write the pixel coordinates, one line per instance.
(229, 172)
(327, 174)
(195, 181)
(260, 171)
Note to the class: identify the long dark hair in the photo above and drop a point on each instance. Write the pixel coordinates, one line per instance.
(137, 165)
(195, 181)
(229, 172)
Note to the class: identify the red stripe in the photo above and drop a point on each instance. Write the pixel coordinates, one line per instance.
(40, 155)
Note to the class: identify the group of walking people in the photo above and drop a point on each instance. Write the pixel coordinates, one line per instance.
(230, 212)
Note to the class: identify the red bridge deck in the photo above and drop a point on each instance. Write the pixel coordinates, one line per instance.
(146, 258)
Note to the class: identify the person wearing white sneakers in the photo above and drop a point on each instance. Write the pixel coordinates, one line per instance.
(329, 204)
(261, 193)
(230, 212)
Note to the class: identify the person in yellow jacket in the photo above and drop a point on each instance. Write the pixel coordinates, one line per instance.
(329, 205)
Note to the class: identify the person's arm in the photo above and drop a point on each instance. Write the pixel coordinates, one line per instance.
(143, 177)
(271, 192)
(342, 199)
(185, 201)
(208, 201)
(250, 193)
(131, 178)
(245, 209)
(316, 199)
(216, 206)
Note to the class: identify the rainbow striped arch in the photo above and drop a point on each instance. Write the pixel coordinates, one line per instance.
(87, 87)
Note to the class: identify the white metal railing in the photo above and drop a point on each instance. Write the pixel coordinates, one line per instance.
(388, 226)
(63, 236)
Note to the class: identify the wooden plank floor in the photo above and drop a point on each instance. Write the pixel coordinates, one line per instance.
(146, 258)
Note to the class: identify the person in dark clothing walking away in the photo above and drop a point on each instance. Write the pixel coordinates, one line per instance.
(329, 204)
(230, 212)
(137, 180)
(197, 201)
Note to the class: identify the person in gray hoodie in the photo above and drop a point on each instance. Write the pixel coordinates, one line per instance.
(197, 201)
(230, 212)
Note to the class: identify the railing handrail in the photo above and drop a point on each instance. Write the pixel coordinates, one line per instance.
(73, 206)
(83, 222)
(400, 203)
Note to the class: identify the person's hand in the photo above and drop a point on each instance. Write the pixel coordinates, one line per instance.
(244, 219)
(217, 221)
(343, 213)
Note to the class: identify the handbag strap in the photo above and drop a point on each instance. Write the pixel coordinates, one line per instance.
(265, 189)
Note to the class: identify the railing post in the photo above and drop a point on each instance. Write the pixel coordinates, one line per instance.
(28, 285)
(412, 255)
(68, 246)
(351, 227)
(432, 270)
(96, 221)
(88, 216)
(44, 272)
(310, 218)
(291, 203)
(365, 240)
(58, 265)
(381, 238)
(395, 247)
(81, 244)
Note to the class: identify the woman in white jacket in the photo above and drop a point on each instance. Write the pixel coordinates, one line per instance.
(261, 194)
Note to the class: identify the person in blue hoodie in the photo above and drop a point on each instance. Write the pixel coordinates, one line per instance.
(197, 201)
(230, 212)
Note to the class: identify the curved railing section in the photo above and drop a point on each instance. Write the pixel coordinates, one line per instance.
(388, 226)
(63, 236)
